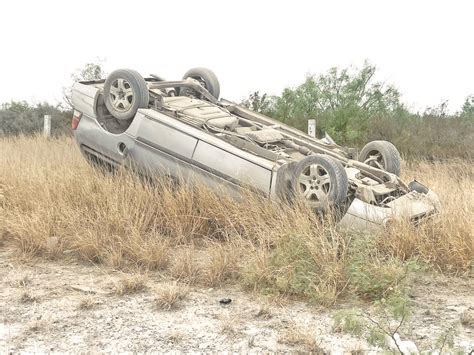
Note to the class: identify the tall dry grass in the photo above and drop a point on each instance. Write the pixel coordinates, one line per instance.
(447, 242)
(54, 203)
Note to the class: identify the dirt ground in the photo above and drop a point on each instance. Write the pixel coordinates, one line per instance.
(66, 305)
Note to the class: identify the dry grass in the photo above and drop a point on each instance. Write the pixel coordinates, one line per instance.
(185, 266)
(265, 312)
(130, 284)
(87, 302)
(53, 201)
(220, 263)
(229, 324)
(169, 295)
(302, 338)
(37, 325)
(27, 297)
(22, 282)
(448, 241)
(467, 318)
(175, 337)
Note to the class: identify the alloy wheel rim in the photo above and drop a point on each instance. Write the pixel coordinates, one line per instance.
(121, 95)
(314, 184)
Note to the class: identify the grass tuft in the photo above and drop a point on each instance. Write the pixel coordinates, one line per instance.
(87, 302)
(169, 295)
(28, 297)
(131, 284)
(302, 338)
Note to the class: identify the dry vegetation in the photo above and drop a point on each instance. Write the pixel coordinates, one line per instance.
(305, 339)
(168, 295)
(53, 204)
(130, 284)
(86, 303)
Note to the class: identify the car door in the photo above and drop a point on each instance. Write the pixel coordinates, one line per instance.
(166, 146)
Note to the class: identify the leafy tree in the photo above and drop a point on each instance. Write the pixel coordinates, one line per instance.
(19, 117)
(467, 110)
(342, 101)
(16, 106)
(91, 71)
(440, 111)
(260, 103)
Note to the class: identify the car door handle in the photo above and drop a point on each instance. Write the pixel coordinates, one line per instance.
(122, 149)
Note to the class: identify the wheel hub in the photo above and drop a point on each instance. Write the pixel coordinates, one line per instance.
(314, 183)
(121, 95)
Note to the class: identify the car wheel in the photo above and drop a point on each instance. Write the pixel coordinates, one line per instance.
(206, 78)
(381, 155)
(320, 181)
(125, 91)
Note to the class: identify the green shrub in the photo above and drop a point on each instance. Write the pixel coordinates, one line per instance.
(349, 321)
(373, 275)
(301, 265)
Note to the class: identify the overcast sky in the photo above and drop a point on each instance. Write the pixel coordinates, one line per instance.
(425, 48)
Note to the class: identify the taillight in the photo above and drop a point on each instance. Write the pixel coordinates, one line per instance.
(75, 119)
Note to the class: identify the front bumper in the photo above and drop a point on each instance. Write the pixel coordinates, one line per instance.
(413, 206)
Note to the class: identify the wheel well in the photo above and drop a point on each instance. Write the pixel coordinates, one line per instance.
(107, 121)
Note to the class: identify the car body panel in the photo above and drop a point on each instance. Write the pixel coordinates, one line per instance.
(234, 166)
(84, 98)
(413, 206)
(170, 138)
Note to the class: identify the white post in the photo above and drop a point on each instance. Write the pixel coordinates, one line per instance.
(312, 128)
(47, 126)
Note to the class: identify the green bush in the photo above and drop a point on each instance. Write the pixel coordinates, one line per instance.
(20, 117)
(374, 276)
(301, 265)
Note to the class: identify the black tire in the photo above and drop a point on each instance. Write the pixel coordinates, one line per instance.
(382, 155)
(320, 181)
(283, 181)
(125, 91)
(206, 77)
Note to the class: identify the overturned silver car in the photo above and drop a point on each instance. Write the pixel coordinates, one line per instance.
(181, 129)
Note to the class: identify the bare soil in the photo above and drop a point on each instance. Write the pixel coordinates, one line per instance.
(66, 305)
